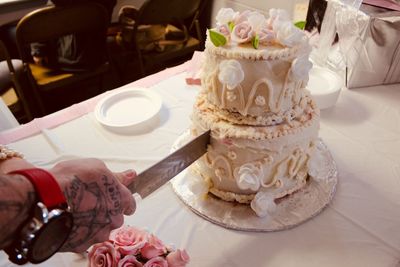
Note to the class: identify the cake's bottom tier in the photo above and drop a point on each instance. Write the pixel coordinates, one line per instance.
(255, 165)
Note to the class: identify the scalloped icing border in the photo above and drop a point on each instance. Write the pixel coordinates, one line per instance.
(260, 54)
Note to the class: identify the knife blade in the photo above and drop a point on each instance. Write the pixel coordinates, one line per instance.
(157, 175)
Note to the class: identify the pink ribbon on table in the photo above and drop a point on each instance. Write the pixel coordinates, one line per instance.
(194, 69)
(77, 110)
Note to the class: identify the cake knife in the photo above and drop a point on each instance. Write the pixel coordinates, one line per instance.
(157, 175)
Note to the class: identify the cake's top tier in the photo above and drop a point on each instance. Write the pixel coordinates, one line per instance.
(255, 66)
(251, 35)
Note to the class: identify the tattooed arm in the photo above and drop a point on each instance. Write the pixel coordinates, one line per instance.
(97, 197)
(17, 200)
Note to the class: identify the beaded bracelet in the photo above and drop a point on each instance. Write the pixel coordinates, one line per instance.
(6, 153)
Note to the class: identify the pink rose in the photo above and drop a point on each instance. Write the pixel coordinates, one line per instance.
(156, 262)
(103, 255)
(178, 258)
(266, 36)
(129, 261)
(129, 240)
(224, 29)
(242, 33)
(153, 248)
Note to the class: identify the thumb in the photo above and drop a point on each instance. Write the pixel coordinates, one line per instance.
(126, 177)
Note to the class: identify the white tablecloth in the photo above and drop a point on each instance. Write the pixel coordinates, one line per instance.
(361, 227)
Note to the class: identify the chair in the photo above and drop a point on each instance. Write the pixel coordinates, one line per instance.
(10, 86)
(174, 15)
(48, 24)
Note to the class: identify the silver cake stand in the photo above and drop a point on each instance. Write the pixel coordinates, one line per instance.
(291, 210)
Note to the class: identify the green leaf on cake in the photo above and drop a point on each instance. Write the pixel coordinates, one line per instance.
(255, 41)
(218, 39)
(300, 24)
(231, 25)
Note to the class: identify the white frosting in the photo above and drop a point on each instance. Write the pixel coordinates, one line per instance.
(230, 73)
(263, 204)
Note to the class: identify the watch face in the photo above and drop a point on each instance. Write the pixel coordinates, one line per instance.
(51, 237)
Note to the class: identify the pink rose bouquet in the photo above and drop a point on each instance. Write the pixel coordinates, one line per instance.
(132, 247)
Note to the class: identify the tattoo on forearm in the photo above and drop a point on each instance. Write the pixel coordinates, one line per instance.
(90, 219)
(14, 206)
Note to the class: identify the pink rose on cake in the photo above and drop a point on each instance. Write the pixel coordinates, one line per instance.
(266, 36)
(242, 33)
(224, 29)
(132, 247)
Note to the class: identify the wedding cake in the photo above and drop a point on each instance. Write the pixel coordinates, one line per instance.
(264, 123)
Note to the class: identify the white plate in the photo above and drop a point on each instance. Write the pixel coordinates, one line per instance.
(128, 110)
(325, 86)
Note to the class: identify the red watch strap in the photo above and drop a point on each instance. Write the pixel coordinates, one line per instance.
(46, 186)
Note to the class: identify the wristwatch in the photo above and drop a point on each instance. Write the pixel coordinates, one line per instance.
(49, 224)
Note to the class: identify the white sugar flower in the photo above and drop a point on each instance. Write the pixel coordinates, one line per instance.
(260, 100)
(301, 66)
(248, 177)
(256, 20)
(226, 15)
(288, 34)
(263, 204)
(276, 16)
(230, 73)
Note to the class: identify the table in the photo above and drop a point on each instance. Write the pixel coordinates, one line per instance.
(359, 228)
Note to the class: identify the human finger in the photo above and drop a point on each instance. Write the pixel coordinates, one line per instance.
(126, 177)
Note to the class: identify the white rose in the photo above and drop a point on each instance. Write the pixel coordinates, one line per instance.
(256, 20)
(226, 15)
(263, 204)
(277, 16)
(301, 66)
(288, 34)
(230, 73)
(248, 177)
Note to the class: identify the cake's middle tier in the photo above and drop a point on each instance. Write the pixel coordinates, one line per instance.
(243, 159)
(255, 83)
